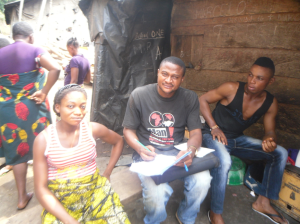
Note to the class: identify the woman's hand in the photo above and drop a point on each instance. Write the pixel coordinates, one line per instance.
(39, 97)
(106, 175)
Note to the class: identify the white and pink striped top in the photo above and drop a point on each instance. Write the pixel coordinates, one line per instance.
(70, 163)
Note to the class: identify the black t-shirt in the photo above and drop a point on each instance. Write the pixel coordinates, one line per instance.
(158, 120)
(230, 118)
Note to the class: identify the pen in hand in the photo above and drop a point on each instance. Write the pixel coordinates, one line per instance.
(143, 145)
(186, 168)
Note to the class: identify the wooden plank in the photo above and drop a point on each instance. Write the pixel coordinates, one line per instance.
(206, 80)
(188, 48)
(220, 8)
(192, 30)
(288, 118)
(286, 90)
(196, 51)
(181, 47)
(269, 17)
(241, 59)
(284, 139)
(255, 35)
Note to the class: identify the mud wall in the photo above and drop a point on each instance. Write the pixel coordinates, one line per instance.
(219, 41)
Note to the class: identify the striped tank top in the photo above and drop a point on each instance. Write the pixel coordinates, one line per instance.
(70, 163)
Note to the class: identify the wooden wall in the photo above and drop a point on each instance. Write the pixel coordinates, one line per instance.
(221, 40)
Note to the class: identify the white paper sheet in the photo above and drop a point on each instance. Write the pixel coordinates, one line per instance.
(201, 152)
(155, 167)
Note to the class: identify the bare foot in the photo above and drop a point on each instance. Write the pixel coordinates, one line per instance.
(262, 204)
(216, 218)
(23, 203)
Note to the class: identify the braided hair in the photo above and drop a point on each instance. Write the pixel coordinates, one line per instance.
(73, 41)
(62, 92)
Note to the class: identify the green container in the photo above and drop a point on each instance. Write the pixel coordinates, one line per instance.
(237, 172)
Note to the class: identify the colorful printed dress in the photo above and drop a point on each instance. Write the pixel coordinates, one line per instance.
(21, 119)
(74, 179)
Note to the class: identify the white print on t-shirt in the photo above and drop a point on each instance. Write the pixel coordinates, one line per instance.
(159, 132)
(162, 131)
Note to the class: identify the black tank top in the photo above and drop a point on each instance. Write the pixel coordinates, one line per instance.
(230, 118)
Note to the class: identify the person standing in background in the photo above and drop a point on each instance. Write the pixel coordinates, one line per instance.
(78, 70)
(3, 43)
(23, 110)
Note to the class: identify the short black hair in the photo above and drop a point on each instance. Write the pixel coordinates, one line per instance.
(4, 42)
(175, 61)
(73, 41)
(62, 92)
(267, 63)
(22, 29)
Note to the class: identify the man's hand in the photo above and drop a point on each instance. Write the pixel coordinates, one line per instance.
(269, 145)
(187, 160)
(38, 97)
(145, 154)
(217, 132)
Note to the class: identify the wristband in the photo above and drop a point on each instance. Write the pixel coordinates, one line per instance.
(214, 127)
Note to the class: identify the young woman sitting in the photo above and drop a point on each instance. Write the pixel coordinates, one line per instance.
(66, 179)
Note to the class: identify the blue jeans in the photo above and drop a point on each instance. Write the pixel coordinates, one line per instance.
(247, 148)
(156, 197)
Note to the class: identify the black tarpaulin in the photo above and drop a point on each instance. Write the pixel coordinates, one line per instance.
(131, 38)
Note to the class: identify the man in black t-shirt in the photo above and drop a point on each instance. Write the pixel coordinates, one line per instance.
(157, 115)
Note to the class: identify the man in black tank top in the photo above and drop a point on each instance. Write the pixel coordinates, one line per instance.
(239, 105)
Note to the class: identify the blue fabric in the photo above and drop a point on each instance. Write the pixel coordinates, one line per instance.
(247, 148)
(155, 198)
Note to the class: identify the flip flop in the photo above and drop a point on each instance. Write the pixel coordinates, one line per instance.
(208, 216)
(269, 216)
(178, 219)
(26, 203)
(4, 170)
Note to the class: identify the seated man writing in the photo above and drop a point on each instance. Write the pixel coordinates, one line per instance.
(239, 106)
(157, 114)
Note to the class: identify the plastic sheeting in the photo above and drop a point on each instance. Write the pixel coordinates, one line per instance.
(131, 38)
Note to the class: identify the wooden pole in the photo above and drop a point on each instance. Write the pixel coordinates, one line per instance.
(21, 9)
(41, 15)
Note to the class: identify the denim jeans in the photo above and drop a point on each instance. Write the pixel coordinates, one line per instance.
(155, 198)
(247, 148)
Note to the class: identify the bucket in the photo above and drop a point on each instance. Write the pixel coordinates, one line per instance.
(237, 172)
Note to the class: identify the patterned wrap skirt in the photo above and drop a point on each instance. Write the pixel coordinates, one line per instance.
(21, 119)
(89, 199)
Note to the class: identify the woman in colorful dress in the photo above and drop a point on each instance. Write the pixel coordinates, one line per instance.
(66, 179)
(78, 70)
(3, 43)
(23, 110)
